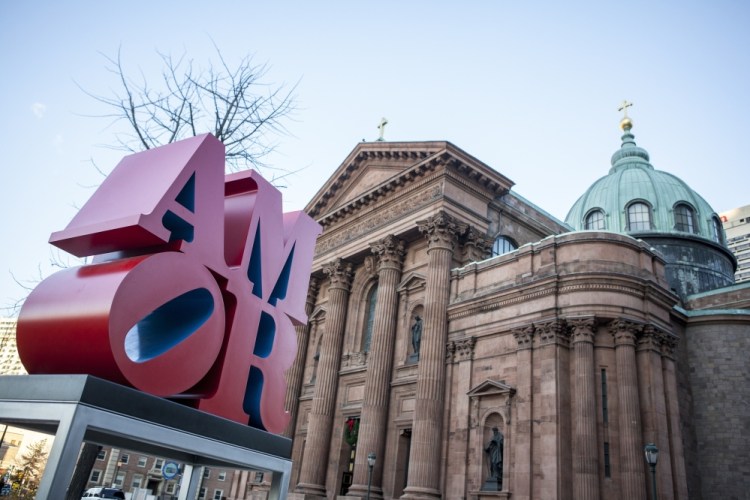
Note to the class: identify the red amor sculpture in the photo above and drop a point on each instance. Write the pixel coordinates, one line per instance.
(194, 292)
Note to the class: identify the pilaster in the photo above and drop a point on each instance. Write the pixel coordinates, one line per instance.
(585, 449)
(632, 479)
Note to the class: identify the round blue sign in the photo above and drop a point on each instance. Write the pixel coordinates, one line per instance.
(169, 470)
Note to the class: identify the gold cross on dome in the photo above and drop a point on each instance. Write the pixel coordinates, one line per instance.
(624, 108)
(381, 127)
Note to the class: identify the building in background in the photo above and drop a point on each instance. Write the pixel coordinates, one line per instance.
(737, 227)
(10, 363)
(463, 343)
(145, 476)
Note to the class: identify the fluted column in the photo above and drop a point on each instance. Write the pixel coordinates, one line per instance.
(372, 426)
(679, 475)
(296, 372)
(522, 480)
(585, 450)
(427, 435)
(315, 459)
(654, 407)
(632, 479)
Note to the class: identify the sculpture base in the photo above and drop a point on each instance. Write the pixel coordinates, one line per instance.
(489, 495)
(492, 484)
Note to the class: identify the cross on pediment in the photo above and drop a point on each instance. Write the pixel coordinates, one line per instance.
(381, 128)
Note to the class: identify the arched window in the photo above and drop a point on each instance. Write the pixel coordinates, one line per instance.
(639, 217)
(594, 221)
(718, 230)
(372, 298)
(503, 245)
(684, 218)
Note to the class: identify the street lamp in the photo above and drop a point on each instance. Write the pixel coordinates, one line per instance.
(370, 465)
(652, 455)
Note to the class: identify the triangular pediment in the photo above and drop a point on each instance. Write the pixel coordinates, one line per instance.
(412, 281)
(368, 166)
(490, 388)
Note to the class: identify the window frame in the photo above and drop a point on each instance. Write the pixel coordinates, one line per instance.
(685, 219)
(506, 242)
(371, 300)
(630, 215)
(602, 219)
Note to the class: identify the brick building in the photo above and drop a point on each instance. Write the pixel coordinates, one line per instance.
(443, 306)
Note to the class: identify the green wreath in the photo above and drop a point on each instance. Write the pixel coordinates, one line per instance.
(351, 431)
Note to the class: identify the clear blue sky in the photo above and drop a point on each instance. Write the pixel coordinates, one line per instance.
(530, 88)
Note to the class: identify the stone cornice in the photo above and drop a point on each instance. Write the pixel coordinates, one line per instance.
(508, 297)
(377, 219)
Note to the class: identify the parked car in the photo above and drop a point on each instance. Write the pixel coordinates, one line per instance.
(97, 493)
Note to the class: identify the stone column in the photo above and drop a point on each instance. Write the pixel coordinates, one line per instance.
(679, 476)
(315, 459)
(654, 408)
(427, 435)
(585, 449)
(521, 455)
(632, 478)
(374, 416)
(552, 468)
(296, 372)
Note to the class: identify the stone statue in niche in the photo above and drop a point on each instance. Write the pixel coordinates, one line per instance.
(416, 334)
(494, 451)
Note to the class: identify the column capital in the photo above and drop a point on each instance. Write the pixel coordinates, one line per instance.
(650, 339)
(441, 230)
(552, 332)
(477, 245)
(669, 343)
(524, 335)
(582, 329)
(625, 332)
(390, 251)
(339, 272)
(312, 290)
(463, 349)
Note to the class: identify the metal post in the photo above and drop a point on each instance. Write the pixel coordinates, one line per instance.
(370, 465)
(653, 480)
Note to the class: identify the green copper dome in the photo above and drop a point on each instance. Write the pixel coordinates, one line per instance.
(636, 199)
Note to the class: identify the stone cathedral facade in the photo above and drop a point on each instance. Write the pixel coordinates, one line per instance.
(443, 306)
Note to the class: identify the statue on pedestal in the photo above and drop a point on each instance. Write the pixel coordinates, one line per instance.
(494, 451)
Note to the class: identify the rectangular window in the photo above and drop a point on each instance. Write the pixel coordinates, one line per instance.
(101, 455)
(158, 463)
(120, 479)
(124, 458)
(607, 468)
(171, 488)
(202, 493)
(137, 481)
(95, 475)
(218, 494)
(222, 476)
(142, 461)
(206, 473)
(605, 409)
(258, 477)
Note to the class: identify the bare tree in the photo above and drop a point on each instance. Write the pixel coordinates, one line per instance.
(231, 102)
